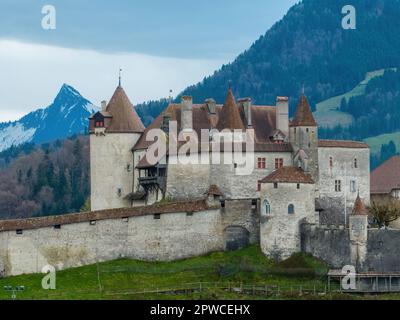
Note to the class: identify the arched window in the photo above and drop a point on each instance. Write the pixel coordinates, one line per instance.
(266, 208)
(291, 209)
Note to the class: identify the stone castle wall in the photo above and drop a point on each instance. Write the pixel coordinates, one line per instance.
(343, 169)
(110, 156)
(333, 245)
(192, 181)
(164, 237)
(280, 230)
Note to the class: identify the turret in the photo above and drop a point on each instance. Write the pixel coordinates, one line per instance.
(303, 135)
(358, 228)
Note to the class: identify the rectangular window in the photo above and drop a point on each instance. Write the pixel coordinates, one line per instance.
(92, 222)
(189, 214)
(99, 124)
(278, 163)
(298, 186)
(222, 203)
(338, 185)
(353, 186)
(275, 185)
(57, 226)
(259, 186)
(157, 216)
(19, 231)
(261, 163)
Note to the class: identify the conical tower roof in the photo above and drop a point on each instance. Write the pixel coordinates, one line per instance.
(229, 117)
(303, 116)
(359, 208)
(124, 117)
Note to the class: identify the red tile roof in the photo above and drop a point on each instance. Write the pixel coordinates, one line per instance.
(303, 116)
(229, 117)
(386, 177)
(359, 208)
(288, 175)
(214, 190)
(263, 119)
(342, 144)
(124, 116)
(158, 208)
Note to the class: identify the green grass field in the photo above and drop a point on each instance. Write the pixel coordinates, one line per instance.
(327, 114)
(375, 143)
(128, 279)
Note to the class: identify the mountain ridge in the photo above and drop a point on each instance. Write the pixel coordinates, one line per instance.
(65, 116)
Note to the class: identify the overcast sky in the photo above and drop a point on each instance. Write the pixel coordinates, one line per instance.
(160, 45)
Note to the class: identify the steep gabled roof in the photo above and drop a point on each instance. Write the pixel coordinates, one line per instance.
(124, 116)
(288, 175)
(229, 117)
(386, 177)
(303, 116)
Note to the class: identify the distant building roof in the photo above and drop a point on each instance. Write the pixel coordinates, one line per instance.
(124, 116)
(342, 144)
(386, 177)
(303, 115)
(288, 175)
(359, 208)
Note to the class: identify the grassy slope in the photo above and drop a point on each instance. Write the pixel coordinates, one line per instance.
(327, 114)
(376, 142)
(120, 278)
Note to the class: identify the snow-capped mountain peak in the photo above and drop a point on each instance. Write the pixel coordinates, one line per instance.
(67, 115)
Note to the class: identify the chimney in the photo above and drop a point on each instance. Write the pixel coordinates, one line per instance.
(282, 114)
(246, 103)
(211, 105)
(103, 105)
(165, 123)
(186, 113)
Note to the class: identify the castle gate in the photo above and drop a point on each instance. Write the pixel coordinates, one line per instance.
(236, 237)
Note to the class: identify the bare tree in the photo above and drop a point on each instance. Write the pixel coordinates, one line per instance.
(385, 212)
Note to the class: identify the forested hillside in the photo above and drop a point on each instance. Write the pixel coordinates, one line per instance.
(308, 47)
(49, 179)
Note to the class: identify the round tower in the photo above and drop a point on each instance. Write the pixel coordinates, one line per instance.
(113, 132)
(358, 228)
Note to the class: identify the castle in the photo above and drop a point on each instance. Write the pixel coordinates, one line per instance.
(293, 192)
(296, 176)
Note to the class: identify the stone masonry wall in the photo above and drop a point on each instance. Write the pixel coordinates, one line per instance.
(332, 244)
(279, 230)
(165, 237)
(109, 157)
(343, 169)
